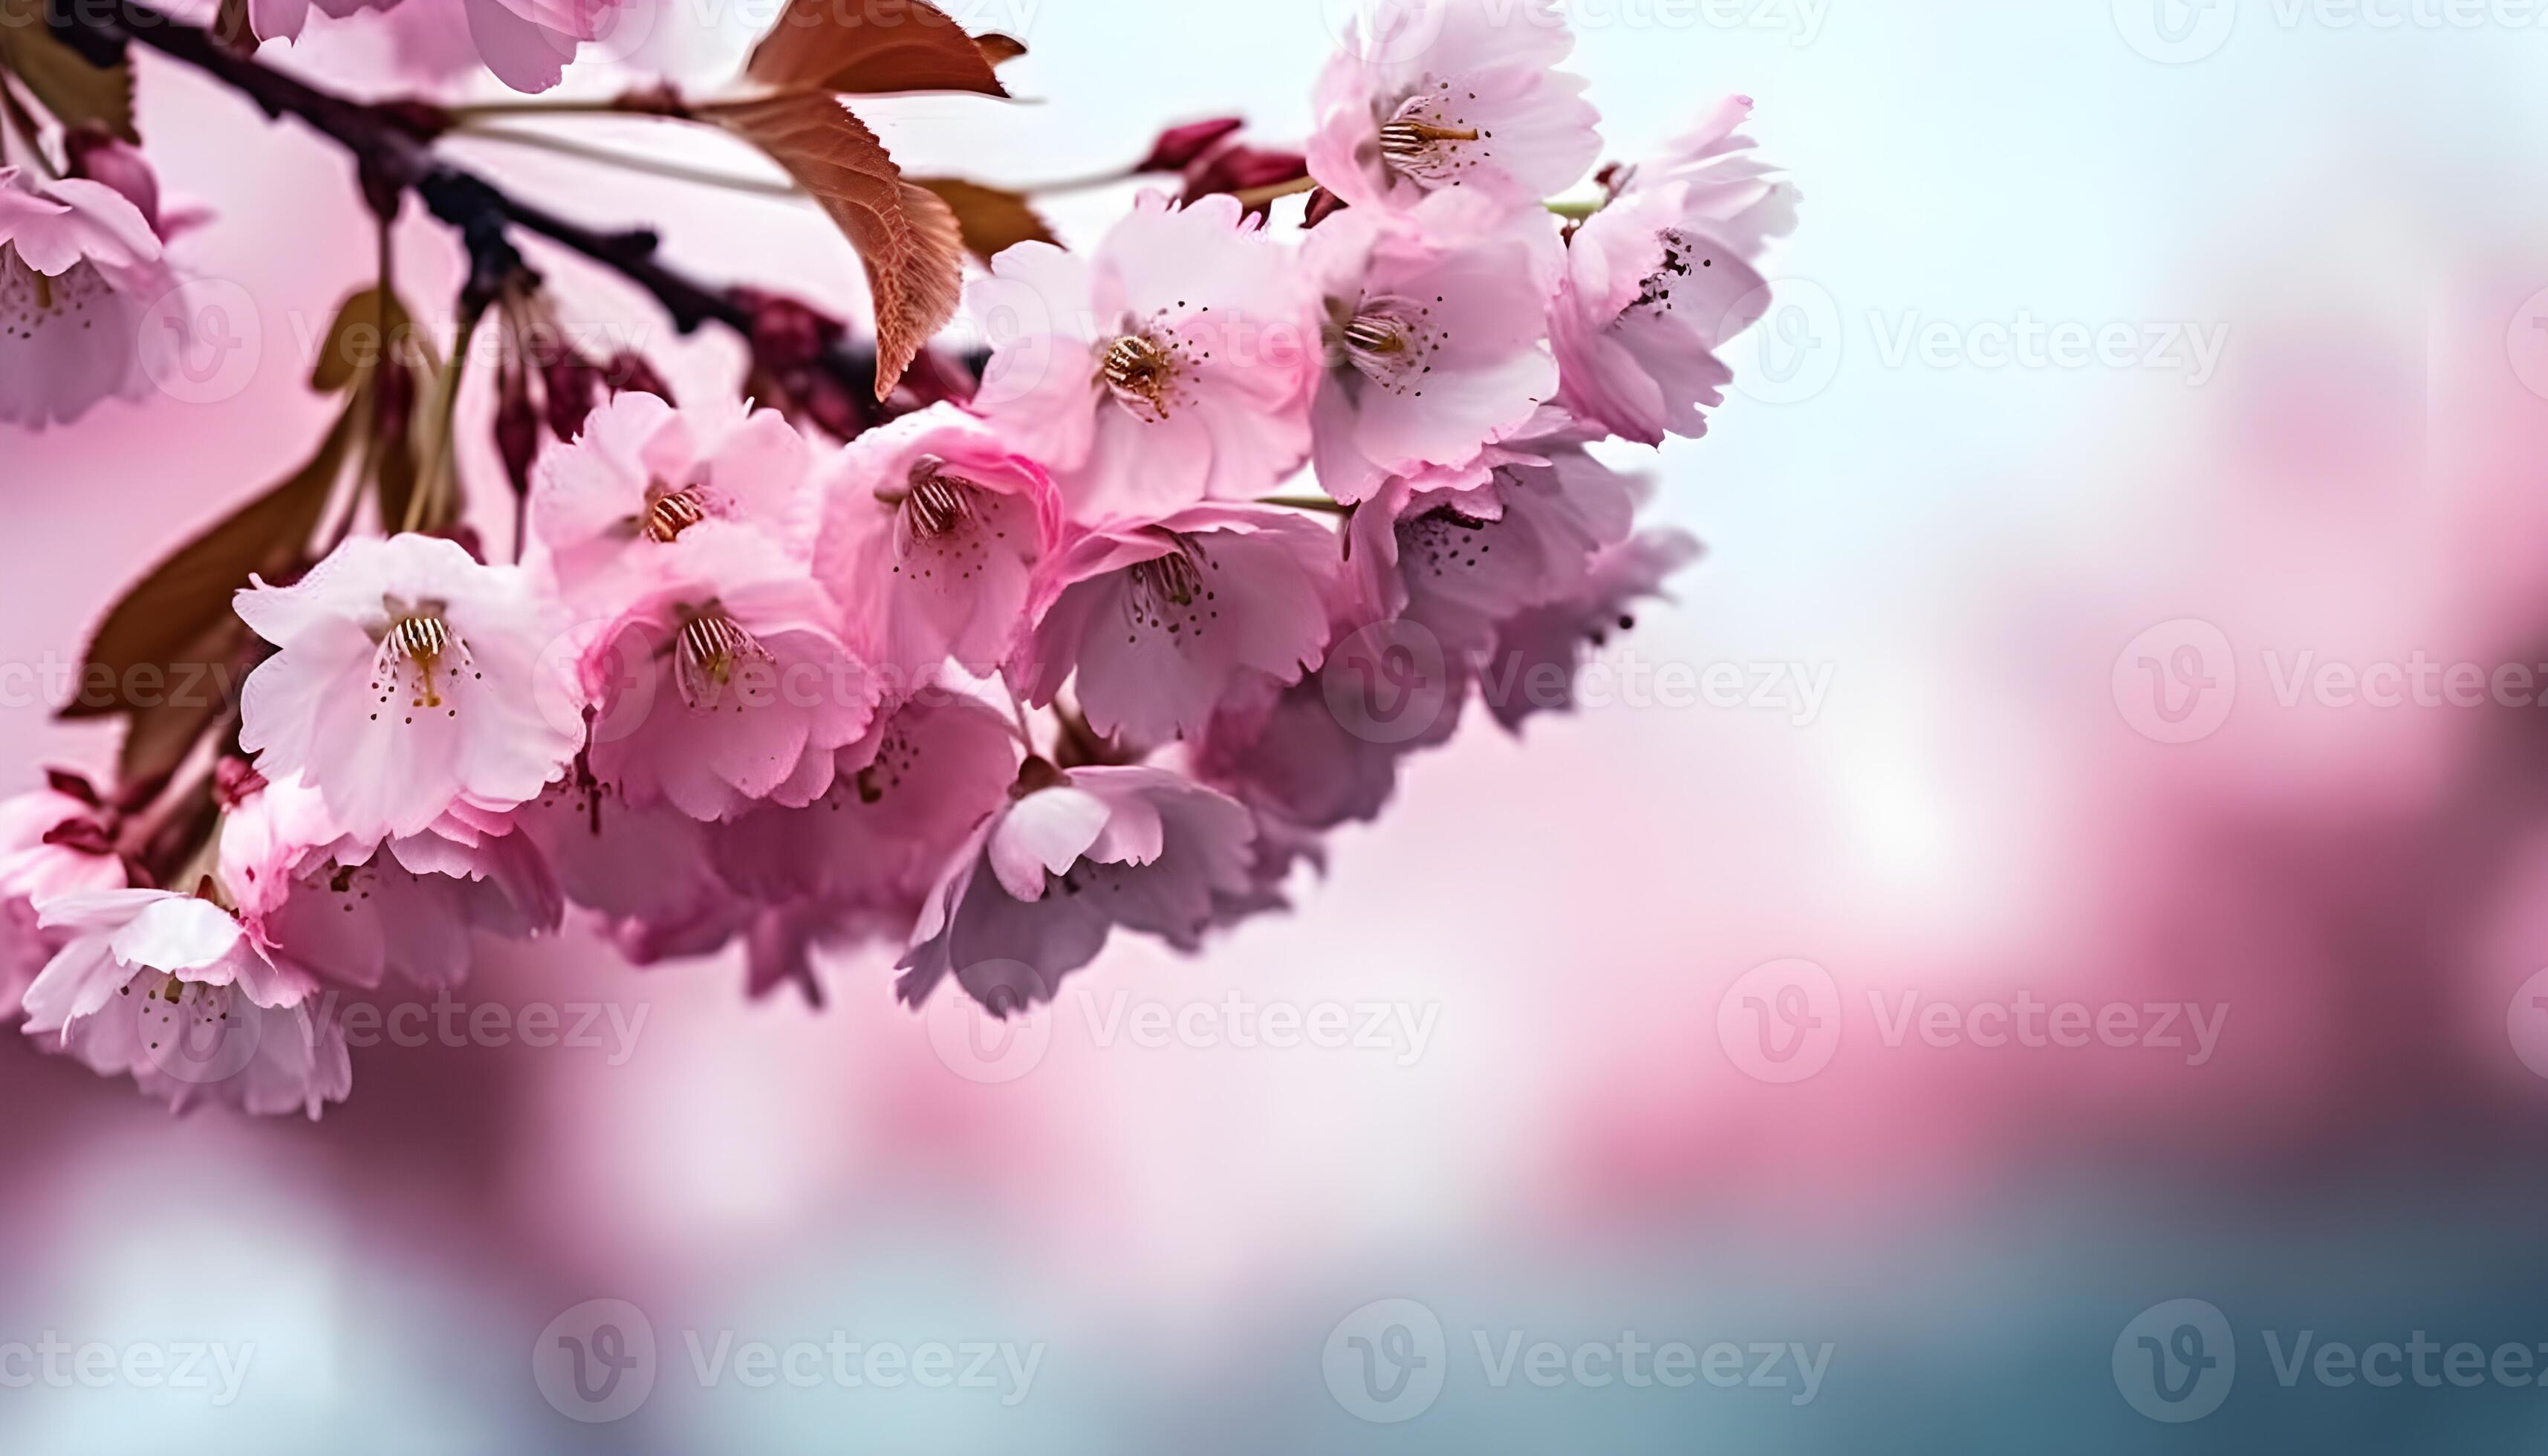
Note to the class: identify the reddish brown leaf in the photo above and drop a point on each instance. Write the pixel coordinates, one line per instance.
(991, 218)
(887, 47)
(906, 236)
(1000, 49)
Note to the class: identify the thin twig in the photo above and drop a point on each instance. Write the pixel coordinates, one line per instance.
(631, 162)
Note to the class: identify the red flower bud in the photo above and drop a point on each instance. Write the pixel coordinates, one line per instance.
(1178, 148)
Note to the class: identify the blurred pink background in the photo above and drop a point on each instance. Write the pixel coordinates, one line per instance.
(1565, 1123)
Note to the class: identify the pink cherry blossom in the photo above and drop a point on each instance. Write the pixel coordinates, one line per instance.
(353, 910)
(1457, 552)
(411, 680)
(1455, 93)
(81, 268)
(1659, 281)
(932, 531)
(1437, 337)
(1539, 650)
(608, 507)
(51, 845)
(172, 991)
(905, 797)
(1172, 365)
(1162, 621)
(731, 686)
(1032, 894)
(527, 43)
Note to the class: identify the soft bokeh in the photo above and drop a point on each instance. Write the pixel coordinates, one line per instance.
(1562, 1125)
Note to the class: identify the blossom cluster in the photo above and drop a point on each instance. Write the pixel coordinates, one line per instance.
(986, 683)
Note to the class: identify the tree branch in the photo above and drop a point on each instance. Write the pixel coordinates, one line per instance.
(393, 153)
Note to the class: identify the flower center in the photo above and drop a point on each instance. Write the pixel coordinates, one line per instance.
(1426, 141)
(710, 650)
(935, 504)
(1141, 373)
(1171, 591)
(672, 513)
(1390, 342)
(1681, 256)
(410, 659)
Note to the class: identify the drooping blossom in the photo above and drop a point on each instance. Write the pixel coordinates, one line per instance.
(1161, 620)
(1539, 651)
(527, 43)
(642, 476)
(729, 686)
(1453, 93)
(1033, 893)
(411, 680)
(172, 991)
(51, 844)
(1436, 337)
(1172, 365)
(932, 531)
(1658, 281)
(81, 268)
(1457, 552)
(354, 910)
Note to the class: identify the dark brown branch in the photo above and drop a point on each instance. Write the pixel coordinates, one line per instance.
(393, 153)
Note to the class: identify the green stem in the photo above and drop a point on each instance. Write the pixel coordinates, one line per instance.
(440, 454)
(1308, 502)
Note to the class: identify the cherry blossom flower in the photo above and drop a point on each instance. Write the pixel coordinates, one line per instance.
(353, 910)
(1456, 93)
(51, 844)
(1660, 279)
(1539, 651)
(411, 680)
(1163, 619)
(1457, 552)
(172, 991)
(527, 43)
(81, 268)
(1033, 893)
(606, 509)
(1436, 338)
(1172, 365)
(729, 687)
(932, 531)
(905, 797)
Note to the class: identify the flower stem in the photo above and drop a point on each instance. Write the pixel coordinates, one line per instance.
(17, 121)
(1256, 196)
(1308, 502)
(440, 454)
(1578, 209)
(631, 162)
